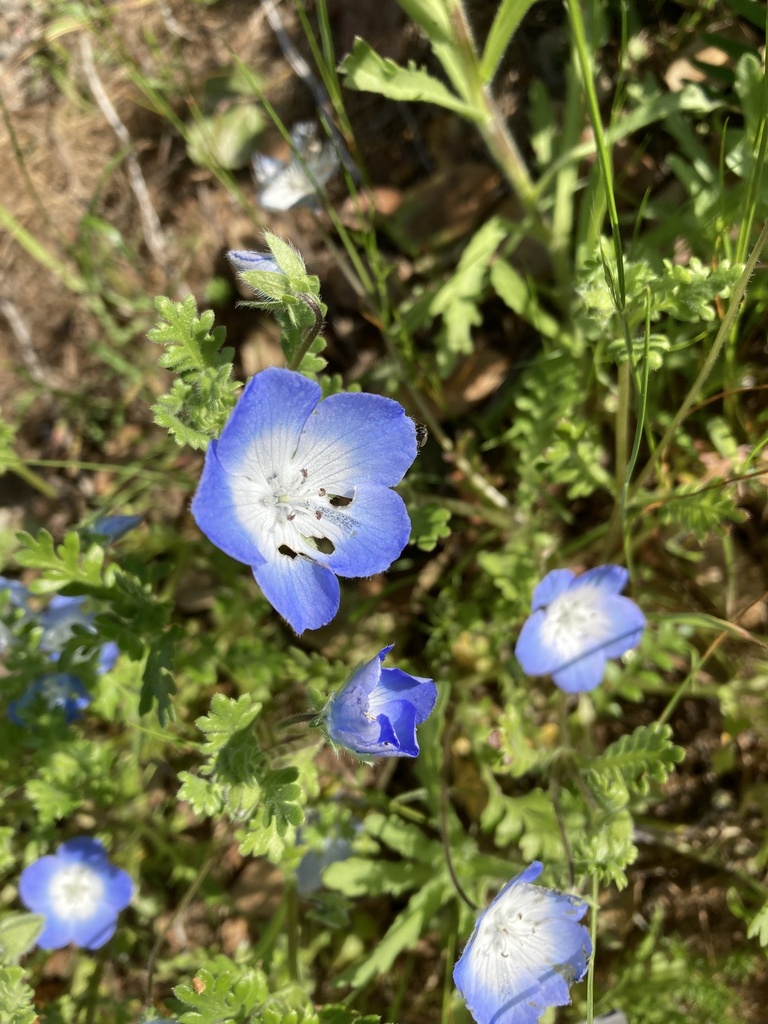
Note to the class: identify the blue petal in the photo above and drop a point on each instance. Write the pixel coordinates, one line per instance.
(112, 528)
(304, 593)
(553, 584)
(263, 431)
(247, 259)
(108, 655)
(368, 534)
(396, 685)
(56, 933)
(83, 850)
(536, 658)
(34, 884)
(401, 716)
(92, 932)
(355, 438)
(610, 578)
(215, 512)
(582, 674)
(628, 624)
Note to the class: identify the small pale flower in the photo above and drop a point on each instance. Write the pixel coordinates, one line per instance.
(249, 259)
(57, 691)
(78, 892)
(526, 950)
(301, 490)
(577, 624)
(312, 164)
(58, 620)
(376, 712)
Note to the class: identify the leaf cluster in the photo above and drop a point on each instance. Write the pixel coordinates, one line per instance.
(199, 402)
(236, 779)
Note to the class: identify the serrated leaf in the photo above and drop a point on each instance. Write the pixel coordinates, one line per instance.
(644, 756)
(16, 997)
(366, 71)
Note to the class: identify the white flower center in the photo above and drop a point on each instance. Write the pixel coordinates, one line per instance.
(55, 692)
(512, 927)
(575, 623)
(289, 511)
(76, 891)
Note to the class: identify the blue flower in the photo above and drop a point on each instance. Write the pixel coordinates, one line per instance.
(57, 690)
(301, 490)
(113, 528)
(578, 622)
(376, 712)
(526, 950)
(58, 620)
(79, 893)
(297, 181)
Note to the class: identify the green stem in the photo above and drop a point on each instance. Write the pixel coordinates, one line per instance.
(593, 937)
(491, 123)
(730, 316)
(310, 333)
(33, 479)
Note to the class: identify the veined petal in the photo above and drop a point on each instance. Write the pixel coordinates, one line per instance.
(610, 578)
(582, 674)
(304, 593)
(218, 514)
(369, 534)
(628, 623)
(396, 686)
(553, 584)
(536, 658)
(35, 882)
(263, 431)
(356, 438)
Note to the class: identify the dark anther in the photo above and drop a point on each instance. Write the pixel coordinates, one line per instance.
(318, 513)
(304, 473)
(291, 516)
(339, 501)
(327, 547)
(285, 550)
(322, 492)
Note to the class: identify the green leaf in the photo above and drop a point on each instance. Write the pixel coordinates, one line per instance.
(644, 756)
(432, 16)
(359, 876)
(222, 993)
(225, 138)
(16, 998)
(287, 257)
(60, 565)
(521, 299)
(505, 24)
(429, 524)
(18, 934)
(157, 682)
(366, 71)
(404, 933)
(758, 927)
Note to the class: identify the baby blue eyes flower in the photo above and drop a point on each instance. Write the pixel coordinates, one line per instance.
(55, 691)
(284, 185)
(376, 712)
(578, 622)
(79, 893)
(526, 950)
(301, 490)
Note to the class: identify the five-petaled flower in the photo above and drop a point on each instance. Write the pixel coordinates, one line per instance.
(526, 950)
(57, 691)
(78, 892)
(578, 622)
(301, 490)
(376, 712)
